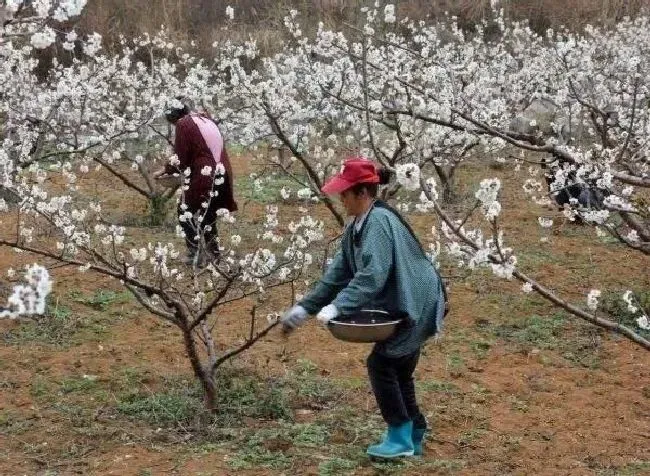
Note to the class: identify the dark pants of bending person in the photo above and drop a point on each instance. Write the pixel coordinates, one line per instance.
(393, 386)
(192, 228)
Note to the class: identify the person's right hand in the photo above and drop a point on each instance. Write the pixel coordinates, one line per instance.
(294, 317)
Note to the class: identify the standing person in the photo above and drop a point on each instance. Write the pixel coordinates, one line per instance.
(381, 265)
(200, 149)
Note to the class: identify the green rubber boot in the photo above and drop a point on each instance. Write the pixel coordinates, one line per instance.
(397, 442)
(418, 438)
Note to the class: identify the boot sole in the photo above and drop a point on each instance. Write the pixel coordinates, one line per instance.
(398, 455)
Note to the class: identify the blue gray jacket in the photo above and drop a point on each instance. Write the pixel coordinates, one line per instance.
(383, 266)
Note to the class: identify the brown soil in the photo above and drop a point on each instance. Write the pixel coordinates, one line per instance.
(518, 409)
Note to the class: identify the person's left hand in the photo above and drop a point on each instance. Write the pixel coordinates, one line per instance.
(328, 313)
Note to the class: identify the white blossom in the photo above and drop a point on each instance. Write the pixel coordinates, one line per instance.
(206, 170)
(389, 13)
(643, 322)
(43, 38)
(30, 298)
(408, 175)
(545, 222)
(592, 299)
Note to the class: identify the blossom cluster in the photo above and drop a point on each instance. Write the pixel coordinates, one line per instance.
(30, 298)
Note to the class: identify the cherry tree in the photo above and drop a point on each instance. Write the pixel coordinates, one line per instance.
(419, 98)
(411, 95)
(105, 110)
(84, 115)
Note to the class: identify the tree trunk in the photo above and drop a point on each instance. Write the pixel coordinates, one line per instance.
(447, 183)
(9, 196)
(204, 375)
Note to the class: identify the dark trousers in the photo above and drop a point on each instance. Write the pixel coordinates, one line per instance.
(222, 198)
(394, 389)
(194, 230)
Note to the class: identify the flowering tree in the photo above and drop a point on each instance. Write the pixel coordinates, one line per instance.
(86, 113)
(418, 98)
(413, 95)
(103, 110)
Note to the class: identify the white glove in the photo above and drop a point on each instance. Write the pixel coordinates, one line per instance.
(328, 313)
(294, 317)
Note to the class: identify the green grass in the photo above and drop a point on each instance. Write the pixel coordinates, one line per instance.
(40, 388)
(481, 347)
(576, 343)
(266, 188)
(312, 388)
(468, 437)
(101, 299)
(633, 469)
(178, 407)
(82, 384)
(180, 403)
(254, 453)
(612, 303)
(336, 466)
(535, 257)
(61, 327)
(56, 327)
(455, 364)
(535, 331)
(12, 423)
(437, 386)
(518, 405)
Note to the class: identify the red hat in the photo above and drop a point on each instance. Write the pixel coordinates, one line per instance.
(355, 170)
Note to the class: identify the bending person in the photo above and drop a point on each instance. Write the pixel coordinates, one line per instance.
(201, 152)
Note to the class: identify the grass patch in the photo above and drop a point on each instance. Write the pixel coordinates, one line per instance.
(429, 467)
(481, 348)
(254, 397)
(266, 188)
(576, 343)
(312, 389)
(455, 364)
(534, 258)
(265, 449)
(180, 404)
(175, 407)
(634, 468)
(534, 331)
(336, 466)
(437, 386)
(40, 388)
(101, 299)
(612, 303)
(275, 448)
(55, 327)
(81, 384)
(12, 423)
(445, 465)
(61, 327)
(468, 437)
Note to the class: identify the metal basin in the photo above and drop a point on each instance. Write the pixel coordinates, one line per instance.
(366, 326)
